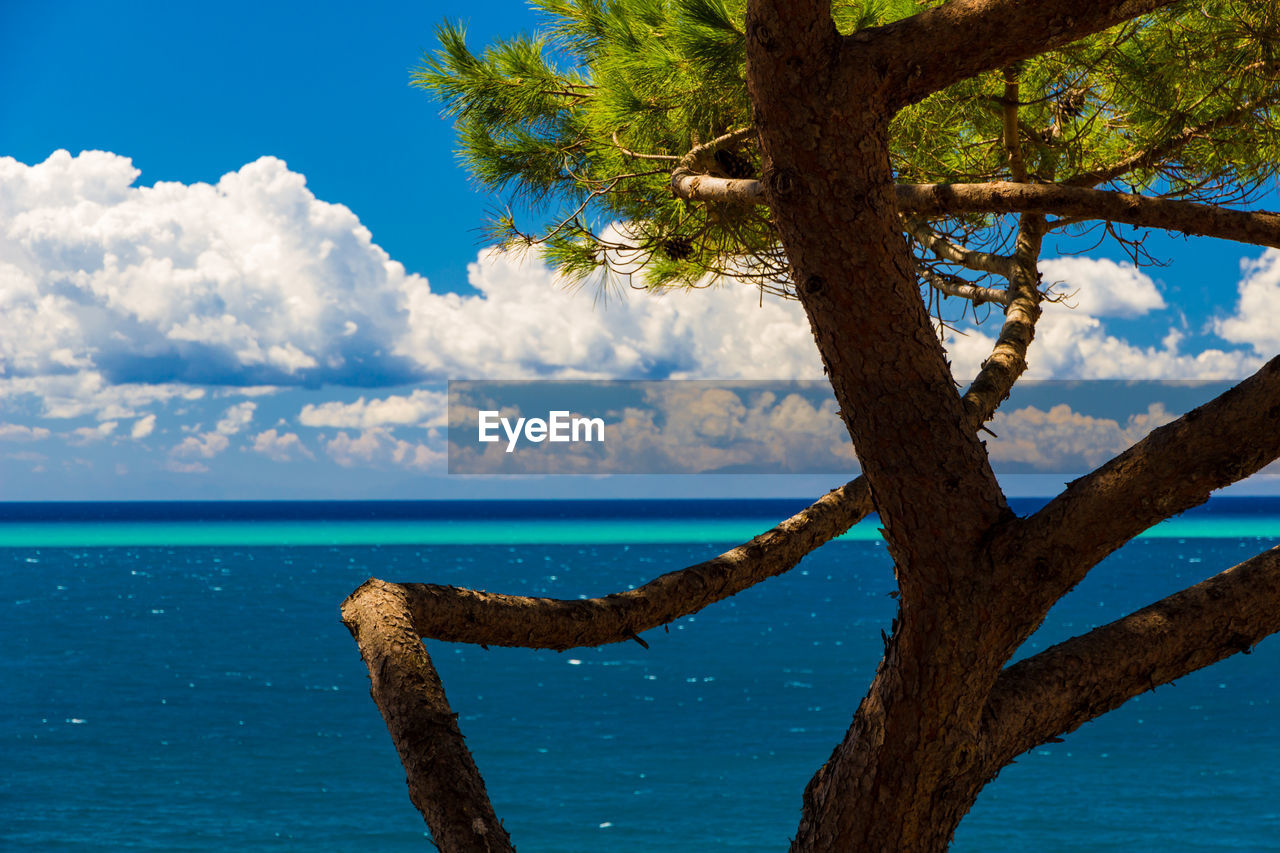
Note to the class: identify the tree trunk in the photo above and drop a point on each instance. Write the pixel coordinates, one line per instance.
(912, 763)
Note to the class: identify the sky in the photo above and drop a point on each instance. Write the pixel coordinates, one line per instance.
(239, 260)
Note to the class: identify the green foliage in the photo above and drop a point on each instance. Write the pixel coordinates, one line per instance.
(580, 125)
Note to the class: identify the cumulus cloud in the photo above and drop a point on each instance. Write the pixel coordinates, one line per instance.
(378, 446)
(89, 435)
(254, 281)
(525, 324)
(18, 432)
(1073, 345)
(1254, 321)
(121, 298)
(1072, 340)
(236, 418)
(143, 427)
(1062, 439)
(282, 447)
(247, 282)
(205, 446)
(90, 394)
(421, 408)
(1101, 287)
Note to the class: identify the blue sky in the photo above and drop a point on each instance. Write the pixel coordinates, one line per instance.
(258, 284)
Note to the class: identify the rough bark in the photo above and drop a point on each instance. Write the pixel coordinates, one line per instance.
(828, 173)
(443, 780)
(913, 759)
(823, 126)
(967, 37)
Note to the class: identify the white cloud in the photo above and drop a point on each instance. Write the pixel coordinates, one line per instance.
(90, 393)
(249, 281)
(18, 432)
(349, 452)
(526, 324)
(421, 457)
(1101, 287)
(255, 281)
(143, 427)
(236, 418)
(1072, 342)
(1256, 320)
(1073, 345)
(204, 446)
(421, 408)
(119, 298)
(89, 435)
(282, 447)
(379, 446)
(1062, 439)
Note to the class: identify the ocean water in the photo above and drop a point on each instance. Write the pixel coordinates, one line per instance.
(176, 677)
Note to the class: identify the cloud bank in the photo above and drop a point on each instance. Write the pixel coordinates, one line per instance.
(139, 309)
(255, 281)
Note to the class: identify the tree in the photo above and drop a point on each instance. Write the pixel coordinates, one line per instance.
(849, 154)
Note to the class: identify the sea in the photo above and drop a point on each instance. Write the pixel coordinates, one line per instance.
(175, 676)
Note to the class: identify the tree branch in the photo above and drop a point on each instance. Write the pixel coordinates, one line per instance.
(1009, 124)
(692, 186)
(954, 286)
(968, 37)
(1174, 468)
(1156, 153)
(443, 780)
(1261, 228)
(700, 153)
(1008, 359)
(1069, 684)
(469, 616)
(665, 158)
(387, 621)
(944, 249)
(689, 181)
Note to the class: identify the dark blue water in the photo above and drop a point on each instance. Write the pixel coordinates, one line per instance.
(208, 698)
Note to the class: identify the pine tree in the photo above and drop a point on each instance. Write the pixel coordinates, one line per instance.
(869, 159)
